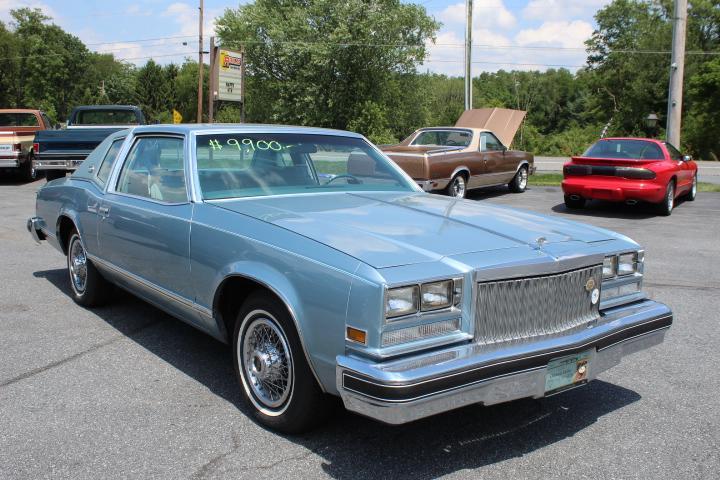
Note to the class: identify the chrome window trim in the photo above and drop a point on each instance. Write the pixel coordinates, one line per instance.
(117, 155)
(195, 182)
(131, 140)
(441, 129)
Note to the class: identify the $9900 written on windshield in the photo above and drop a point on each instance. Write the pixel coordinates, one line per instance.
(256, 164)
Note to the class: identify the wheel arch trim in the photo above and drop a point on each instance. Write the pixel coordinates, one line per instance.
(270, 285)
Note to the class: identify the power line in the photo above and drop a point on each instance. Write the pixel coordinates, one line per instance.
(483, 62)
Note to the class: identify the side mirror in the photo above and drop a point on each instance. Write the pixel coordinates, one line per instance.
(57, 126)
(687, 158)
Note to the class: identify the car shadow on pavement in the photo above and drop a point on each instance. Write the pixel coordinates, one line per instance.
(464, 439)
(352, 446)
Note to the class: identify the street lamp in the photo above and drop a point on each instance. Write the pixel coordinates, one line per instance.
(651, 122)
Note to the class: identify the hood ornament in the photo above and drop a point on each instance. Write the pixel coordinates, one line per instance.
(540, 241)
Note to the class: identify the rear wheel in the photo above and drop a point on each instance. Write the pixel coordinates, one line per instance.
(88, 286)
(54, 174)
(574, 202)
(690, 196)
(29, 174)
(519, 182)
(277, 382)
(665, 207)
(457, 187)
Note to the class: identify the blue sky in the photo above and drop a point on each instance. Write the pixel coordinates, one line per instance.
(508, 34)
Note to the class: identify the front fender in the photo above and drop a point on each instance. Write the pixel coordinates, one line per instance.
(319, 317)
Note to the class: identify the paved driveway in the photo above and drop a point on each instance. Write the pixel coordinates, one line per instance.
(126, 391)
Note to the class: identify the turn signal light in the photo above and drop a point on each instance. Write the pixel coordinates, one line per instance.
(356, 335)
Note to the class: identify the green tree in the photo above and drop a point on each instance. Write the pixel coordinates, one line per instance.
(325, 63)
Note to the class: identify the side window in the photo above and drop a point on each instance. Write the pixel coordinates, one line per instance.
(154, 169)
(490, 143)
(674, 152)
(108, 160)
(48, 123)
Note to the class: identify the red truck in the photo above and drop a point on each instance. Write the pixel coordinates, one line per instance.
(17, 132)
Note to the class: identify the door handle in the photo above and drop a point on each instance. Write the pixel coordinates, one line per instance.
(104, 211)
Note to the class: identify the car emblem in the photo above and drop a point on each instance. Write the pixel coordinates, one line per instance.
(590, 285)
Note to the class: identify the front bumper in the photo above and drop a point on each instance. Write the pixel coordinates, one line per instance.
(414, 387)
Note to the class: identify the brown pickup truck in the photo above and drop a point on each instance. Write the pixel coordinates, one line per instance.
(17, 131)
(472, 154)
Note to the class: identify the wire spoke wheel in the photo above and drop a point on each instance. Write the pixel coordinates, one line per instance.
(77, 263)
(266, 361)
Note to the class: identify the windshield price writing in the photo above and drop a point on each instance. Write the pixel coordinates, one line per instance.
(249, 143)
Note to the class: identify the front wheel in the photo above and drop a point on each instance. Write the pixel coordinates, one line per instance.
(88, 286)
(277, 381)
(665, 207)
(519, 182)
(457, 187)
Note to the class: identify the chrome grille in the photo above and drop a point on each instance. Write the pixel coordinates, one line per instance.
(531, 307)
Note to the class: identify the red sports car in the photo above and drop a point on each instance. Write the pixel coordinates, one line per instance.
(630, 170)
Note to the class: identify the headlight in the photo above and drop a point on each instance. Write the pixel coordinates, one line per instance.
(401, 301)
(437, 295)
(622, 278)
(609, 267)
(626, 264)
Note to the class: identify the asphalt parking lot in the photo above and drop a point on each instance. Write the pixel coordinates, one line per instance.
(126, 391)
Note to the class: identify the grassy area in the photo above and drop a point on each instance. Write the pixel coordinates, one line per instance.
(554, 179)
(545, 179)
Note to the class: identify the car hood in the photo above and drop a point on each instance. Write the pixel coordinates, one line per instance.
(391, 229)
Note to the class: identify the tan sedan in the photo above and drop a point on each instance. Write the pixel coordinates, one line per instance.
(457, 159)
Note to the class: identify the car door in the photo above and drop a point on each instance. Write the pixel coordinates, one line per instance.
(145, 219)
(89, 217)
(498, 168)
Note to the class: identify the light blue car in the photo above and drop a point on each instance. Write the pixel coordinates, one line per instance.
(332, 274)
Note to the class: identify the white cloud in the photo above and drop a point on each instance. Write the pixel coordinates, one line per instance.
(566, 34)
(186, 16)
(548, 10)
(7, 5)
(489, 13)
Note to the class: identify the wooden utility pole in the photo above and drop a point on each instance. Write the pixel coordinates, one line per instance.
(200, 66)
(677, 67)
(468, 55)
(211, 82)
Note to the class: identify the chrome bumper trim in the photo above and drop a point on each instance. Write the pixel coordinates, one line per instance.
(34, 226)
(56, 164)
(408, 389)
(9, 163)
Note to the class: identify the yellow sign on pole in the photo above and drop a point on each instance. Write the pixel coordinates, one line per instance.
(177, 117)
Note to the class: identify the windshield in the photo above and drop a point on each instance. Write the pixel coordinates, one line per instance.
(18, 120)
(630, 149)
(257, 164)
(443, 138)
(105, 117)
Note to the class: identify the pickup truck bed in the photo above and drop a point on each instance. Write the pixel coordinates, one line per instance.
(60, 151)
